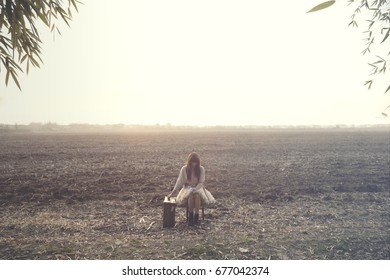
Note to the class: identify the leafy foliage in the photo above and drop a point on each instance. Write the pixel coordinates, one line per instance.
(20, 43)
(377, 13)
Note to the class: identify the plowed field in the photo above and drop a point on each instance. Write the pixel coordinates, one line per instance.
(280, 195)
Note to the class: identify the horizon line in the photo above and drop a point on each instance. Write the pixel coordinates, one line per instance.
(169, 125)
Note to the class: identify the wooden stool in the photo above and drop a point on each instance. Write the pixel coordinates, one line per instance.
(169, 212)
(188, 213)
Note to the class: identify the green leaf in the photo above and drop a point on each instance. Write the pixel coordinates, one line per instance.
(387, 35)
(15, 77)
(353, 23)
(380, 58)
(369, 83)
(59, 32)
(388, 88)
(75, 4)
(44, 19)
(33, 61)
(322, 6)
(7, 77)
(371, 24)
(23, 58)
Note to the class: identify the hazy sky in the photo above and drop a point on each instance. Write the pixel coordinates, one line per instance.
(200, 63)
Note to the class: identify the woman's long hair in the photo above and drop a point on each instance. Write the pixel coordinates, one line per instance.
(193, 157)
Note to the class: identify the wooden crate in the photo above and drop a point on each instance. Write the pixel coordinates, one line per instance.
(169, 212)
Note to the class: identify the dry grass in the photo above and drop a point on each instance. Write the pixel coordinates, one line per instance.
(233, 229)
(77, 197)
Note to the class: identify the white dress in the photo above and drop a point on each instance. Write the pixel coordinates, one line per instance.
(187, 187)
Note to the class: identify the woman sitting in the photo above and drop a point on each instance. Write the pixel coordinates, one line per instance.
(193, 194)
